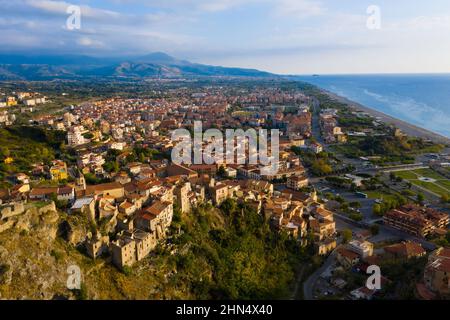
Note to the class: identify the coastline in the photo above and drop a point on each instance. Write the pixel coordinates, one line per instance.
(405, 127)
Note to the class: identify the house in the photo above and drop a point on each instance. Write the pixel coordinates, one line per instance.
(97, 246)
(364, 249)
(297, 182)
(107, 208)
(437, 271)
(132, 247)
(155, 218)
(324, 247)
(322, 230)
(177, 170)
(323, 215)
(42, 193)
(316, 147)
(123, 252)
(404, 251)
(127, 208)
(347, 258)
(58, 170)
(113, 189)
(362, 293)
(219, 193)
(66, 193)
(84, 206)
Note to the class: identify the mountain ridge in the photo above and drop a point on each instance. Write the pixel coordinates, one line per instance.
(153, 65)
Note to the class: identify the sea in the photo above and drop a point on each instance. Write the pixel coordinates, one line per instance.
(420, 99)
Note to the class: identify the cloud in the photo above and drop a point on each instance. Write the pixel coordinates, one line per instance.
(299, 8)
(88, 42)
(60, 7)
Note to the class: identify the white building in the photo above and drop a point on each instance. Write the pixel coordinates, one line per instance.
(75, 136)
(363, 248)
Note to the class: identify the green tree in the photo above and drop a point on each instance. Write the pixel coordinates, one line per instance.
(445, 198)
(420, 198)
(377, 210)
(347, 235)
(374, 229)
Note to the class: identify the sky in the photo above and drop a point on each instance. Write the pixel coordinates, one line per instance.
(280, 36)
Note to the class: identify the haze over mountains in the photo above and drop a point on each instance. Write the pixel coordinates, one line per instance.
(154, 65)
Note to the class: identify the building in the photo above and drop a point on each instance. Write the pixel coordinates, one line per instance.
(404, 251)
(437, 271)
(325, 247)
(155, 218)
(112, 189)
(363, 248)
(347, 258)
(182, 197)
(75, 136)
(322, 230)
(416, 220)
(58, 170)
(316, 147)
(131, 247)
(97, 246)
(85, 206)
(297, 182)
(219, 193)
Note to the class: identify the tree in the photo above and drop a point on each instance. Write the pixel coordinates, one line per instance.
(355, 204)
(221, 172)
(347, 235)
(320, 167)
(374, 229)
(445, 198)
(377, 210)
(420, 198)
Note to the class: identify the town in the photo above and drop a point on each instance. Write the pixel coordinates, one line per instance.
(351, 189)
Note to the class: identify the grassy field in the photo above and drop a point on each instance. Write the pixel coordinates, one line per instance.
(380, 195)
(441, 185)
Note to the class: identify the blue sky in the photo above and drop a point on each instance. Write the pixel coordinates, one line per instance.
(282, 36)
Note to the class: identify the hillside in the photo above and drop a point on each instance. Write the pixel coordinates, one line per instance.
(220, 254)
(154, 65)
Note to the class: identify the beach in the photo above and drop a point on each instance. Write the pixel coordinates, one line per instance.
(404, 126)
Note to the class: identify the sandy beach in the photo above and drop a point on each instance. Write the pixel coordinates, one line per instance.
(406, 127)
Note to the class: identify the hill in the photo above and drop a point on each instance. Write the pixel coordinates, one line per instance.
(154, 65)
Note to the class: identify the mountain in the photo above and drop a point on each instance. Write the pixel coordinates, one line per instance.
(153, 65)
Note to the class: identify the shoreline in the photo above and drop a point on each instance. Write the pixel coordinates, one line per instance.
(406, 127)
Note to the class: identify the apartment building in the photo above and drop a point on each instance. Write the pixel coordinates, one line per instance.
(416, 220)
(437, 272)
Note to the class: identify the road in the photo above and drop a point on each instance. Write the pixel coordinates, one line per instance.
(308, 285)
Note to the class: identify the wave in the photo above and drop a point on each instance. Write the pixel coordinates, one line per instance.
(418, 113)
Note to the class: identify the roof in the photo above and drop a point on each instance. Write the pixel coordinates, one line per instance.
(103, 187)
(126, 205)
(65, 190)
(79, 203)
(154, 210)
(347, 254)
(43, 191)
(406, 249)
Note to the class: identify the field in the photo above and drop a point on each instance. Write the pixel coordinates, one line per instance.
(427, 179)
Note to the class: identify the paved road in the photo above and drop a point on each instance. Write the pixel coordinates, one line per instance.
(308, 285)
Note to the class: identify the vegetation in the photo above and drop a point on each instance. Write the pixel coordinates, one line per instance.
(388, 148)
(24, 146)
(234, 254)
(321, 164)
(437, 183)
(347, 235)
